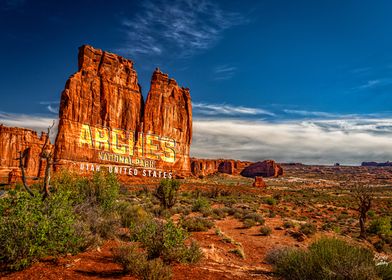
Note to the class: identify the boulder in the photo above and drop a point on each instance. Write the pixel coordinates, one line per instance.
(259, 182)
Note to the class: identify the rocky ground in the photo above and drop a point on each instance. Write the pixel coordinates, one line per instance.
(316, 195)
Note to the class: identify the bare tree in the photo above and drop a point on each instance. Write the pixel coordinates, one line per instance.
(46, 154)
(364, 194)
(22, 162)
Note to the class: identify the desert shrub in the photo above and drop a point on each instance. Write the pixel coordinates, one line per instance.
(130, 258)
(218, 213)
(248, 223)
(31, 228)
(135, 263)
(197, 224)
(327, 258)
(257, 218)
(166, 192)
(270, 201)
(384, 270)
(308, 229)
(162, 239)
(238, 251)
(251, 219)
(102, 189)
(130, 214)
(193, 253)
(381, 226)
(156, 270)
(265, 231)
(288, 224)
(201, 204)
(271, 214)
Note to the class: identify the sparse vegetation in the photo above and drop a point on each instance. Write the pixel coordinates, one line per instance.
(165, 240)
(136, 263)
(166, 192)
(326, 259)
(265, 231)
(197, 224)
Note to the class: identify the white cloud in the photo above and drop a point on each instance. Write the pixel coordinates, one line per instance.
(50, 107)
(34, 122)
(224, 72)
(348, 141)
(310, 113)
(225, 109)
(325, 142)
(180, 26)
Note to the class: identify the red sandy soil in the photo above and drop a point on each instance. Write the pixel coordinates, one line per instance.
(218, 262)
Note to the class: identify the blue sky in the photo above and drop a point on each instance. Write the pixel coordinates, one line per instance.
(305, 81)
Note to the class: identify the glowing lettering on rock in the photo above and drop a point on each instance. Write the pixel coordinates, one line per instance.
(121, 142)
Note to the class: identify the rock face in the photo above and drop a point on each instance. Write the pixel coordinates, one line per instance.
(259, 182)
(103, 117)
(204, 167)
(13, 140)
(168, 112)
(267, 168)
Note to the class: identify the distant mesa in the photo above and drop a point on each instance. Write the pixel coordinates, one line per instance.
(378, 164)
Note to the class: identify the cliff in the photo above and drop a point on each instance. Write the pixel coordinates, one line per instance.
(12, 141)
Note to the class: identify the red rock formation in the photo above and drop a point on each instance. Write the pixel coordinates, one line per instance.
(259, 182)
(168, 112)
(203, 167)
(13, 140)
(103, 93)
(103, 100)
(226, 167)
(267, 168)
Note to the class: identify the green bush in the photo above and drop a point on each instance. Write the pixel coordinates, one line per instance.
(135, 263)
(197, 224)
(251, 219)
(265, 231)
(270, 201)
(308, 229)
(31, 228)
(201, 203)
(102, 189)
(288, 224)
(381, 226)
(166, 192)
(248, 223)
(130, 214)
(326, 259)
(162, 239)
(257, 218)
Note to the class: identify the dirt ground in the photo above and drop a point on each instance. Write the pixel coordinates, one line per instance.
(218, 261)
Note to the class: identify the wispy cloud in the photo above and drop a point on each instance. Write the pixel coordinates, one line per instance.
(305, 113)
(51, 106)
(374, 83)
(349, 142)
(224, 72)
(180, 26)
(226, 109)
